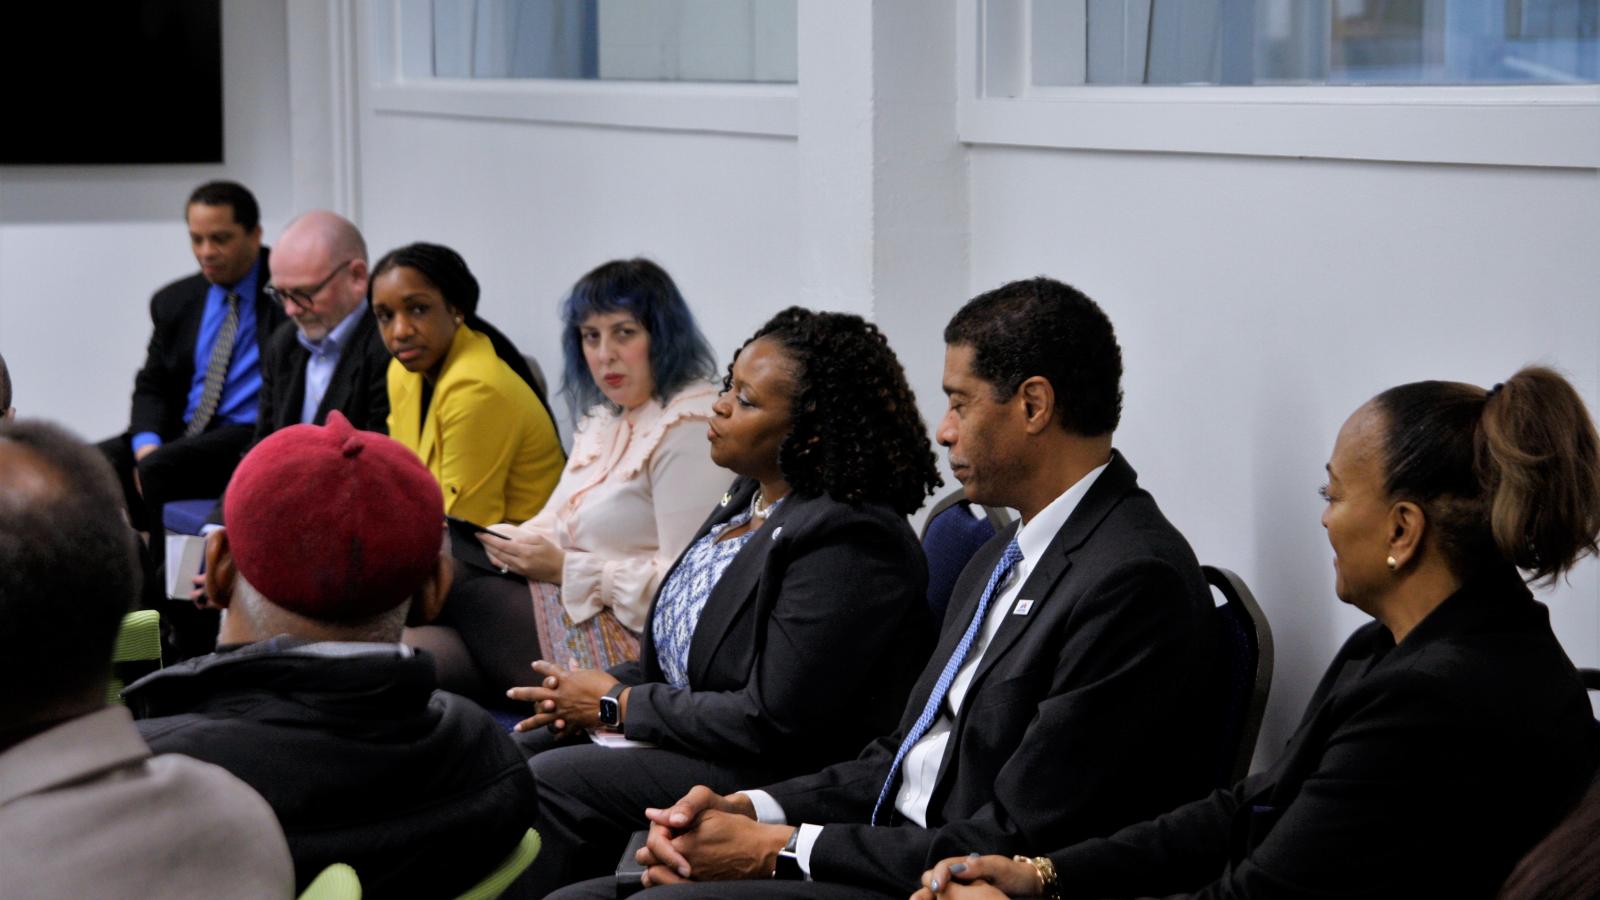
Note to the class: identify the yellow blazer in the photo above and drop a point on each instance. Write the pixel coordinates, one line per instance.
(487, 438)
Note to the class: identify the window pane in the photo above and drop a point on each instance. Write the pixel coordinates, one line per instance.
(1374, 42)
(648, 40)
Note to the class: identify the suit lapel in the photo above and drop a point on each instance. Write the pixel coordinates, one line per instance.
(344, 376)
(1107, 491)
(295, 398)
(736, 589)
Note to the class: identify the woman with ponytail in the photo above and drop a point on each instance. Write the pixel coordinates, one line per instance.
(473, 419)
(1449, 734)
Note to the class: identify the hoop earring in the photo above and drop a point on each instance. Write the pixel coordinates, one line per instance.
(1393, 563)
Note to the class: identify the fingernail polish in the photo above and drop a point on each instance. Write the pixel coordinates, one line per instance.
(934, 885)
(958, 868)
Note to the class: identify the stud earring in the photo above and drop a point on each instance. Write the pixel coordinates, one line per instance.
(459, 320)
(1392, 563)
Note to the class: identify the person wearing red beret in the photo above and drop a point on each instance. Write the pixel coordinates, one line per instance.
(332, 545)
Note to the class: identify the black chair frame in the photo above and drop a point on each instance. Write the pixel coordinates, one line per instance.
(1234, 591)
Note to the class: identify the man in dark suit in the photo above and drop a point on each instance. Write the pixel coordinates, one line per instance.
(194, 401)
(1066, 695)
(329, 355)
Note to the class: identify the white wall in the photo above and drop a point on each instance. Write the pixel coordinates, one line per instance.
(532, 207)
(1260, 301)
(82, 248)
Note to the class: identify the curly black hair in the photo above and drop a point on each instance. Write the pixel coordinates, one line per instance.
(856, 435)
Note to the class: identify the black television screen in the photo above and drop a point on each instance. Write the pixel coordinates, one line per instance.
(115, 81)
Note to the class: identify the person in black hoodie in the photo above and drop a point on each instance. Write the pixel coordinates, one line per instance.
(332, 545)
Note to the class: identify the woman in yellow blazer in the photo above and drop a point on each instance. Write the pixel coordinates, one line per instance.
(477, 426)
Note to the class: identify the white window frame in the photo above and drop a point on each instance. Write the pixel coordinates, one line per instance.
(401, 80)
(1523, 125)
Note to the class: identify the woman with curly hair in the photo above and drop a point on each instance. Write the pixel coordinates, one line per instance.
(790, 631)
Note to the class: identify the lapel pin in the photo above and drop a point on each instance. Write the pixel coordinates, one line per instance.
(1022, 607)
(777, 531)
(725, 499)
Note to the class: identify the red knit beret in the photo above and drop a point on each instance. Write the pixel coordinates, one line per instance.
(333, 523)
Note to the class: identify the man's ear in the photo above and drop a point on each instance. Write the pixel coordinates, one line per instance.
(1038, 403)
(359, 273)
(220, 572)
(428, 601)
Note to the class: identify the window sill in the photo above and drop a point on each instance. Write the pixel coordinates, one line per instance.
(1550, 126)
(752, 109)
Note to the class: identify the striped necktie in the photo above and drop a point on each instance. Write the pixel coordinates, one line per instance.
(930, 710)
(216, 369)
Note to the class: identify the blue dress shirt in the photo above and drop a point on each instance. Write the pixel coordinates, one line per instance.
(242, 387)
(324, 359)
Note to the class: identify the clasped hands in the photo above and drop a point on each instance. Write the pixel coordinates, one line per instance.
(708, 837)
(566, 700)
(978, 877)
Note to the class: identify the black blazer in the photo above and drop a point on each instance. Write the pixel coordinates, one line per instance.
(806, 647)
(358, 387)
(1420, 770)
(1085, 714)
(161, 389)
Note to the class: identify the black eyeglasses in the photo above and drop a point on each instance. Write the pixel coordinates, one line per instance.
(302, 297)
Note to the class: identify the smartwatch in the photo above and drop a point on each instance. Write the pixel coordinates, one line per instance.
(788, 865)
(611, 706)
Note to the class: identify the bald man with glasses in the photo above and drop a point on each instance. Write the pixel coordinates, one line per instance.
(328, 356)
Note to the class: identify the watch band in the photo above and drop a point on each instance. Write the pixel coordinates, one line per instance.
(611, 706)
(787, 867)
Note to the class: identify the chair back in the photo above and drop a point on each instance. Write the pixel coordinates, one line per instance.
(541, 386)
(137, 651)
(1243, 673)
(337, 882)
(954, 530)
(515, 863)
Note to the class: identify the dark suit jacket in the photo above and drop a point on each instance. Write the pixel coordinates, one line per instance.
(1420, 770)
(161, 389)
(806, 647)
(1084, 715)
(357, 389)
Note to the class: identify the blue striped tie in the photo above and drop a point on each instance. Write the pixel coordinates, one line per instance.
(930, 711)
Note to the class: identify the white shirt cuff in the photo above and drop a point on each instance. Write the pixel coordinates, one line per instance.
(768, 810)
(802, 847)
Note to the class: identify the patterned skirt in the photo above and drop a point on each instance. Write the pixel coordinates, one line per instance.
(597, 643)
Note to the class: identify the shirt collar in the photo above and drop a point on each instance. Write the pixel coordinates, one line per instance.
(245, 287)
(334, 340)
(1036, 535)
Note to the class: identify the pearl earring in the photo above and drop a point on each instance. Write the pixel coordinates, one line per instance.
(1393, 563)
(459, 320)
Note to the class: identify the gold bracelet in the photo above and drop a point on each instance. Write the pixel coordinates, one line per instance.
(1046, 870)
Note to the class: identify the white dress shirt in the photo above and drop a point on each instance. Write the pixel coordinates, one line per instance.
(920, 769)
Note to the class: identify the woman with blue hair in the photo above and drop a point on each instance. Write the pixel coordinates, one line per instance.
(637, 374)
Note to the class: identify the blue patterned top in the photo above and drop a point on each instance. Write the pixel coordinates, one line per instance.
(684, 595)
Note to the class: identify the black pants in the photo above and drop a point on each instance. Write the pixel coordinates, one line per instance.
(180, 469)
(493, 618)
(591, 798)
(184, 468)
